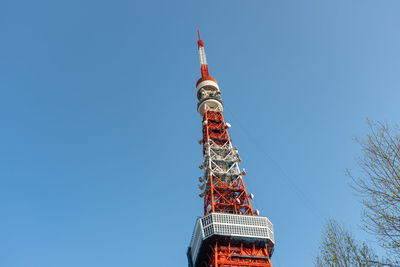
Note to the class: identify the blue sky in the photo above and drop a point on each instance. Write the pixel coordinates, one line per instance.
(99, 130)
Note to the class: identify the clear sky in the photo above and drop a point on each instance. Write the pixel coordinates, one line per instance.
(99, 129)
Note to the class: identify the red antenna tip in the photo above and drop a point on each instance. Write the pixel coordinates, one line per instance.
(200, 42)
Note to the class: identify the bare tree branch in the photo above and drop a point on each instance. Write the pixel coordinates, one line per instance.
(379, 190)
(379, 184)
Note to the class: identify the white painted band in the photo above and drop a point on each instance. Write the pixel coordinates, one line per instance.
(202, 54)
(206, 83)
(212, 104)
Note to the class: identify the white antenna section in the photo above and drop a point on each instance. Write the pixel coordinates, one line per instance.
(202, 54)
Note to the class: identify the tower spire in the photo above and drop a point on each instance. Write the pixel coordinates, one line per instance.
(199, 42)
(207, 87)
(203, 60)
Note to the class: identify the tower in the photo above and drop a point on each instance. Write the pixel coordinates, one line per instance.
(230, 233)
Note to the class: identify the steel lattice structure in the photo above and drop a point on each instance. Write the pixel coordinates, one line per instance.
(230, 233)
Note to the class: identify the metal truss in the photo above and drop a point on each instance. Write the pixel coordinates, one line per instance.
(222, 254)
(222, 184)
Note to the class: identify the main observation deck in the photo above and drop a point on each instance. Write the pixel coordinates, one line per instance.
(242, 227)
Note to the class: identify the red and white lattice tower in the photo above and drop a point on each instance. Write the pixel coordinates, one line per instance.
(230, 233)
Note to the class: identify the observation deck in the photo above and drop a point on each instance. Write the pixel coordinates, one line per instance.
(229, 226)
